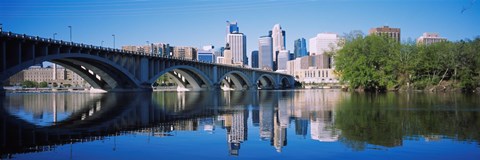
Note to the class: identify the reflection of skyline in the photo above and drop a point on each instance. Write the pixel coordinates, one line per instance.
(186, 111)
(311, 115)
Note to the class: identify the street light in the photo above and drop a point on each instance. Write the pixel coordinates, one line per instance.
(113, 35)
(1, 27)
(101, 45)
(70, 27)
(54, 34)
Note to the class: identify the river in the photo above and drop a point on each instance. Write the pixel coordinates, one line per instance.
(284, 124)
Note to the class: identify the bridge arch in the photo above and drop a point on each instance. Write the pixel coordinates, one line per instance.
(286, 82)
(239, 79)
(111, 73)
(266, 81)
(193, 75)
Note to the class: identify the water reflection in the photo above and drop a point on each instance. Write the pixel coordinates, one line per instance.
(387, 119)
(31, 123)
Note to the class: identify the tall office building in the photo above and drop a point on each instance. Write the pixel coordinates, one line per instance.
(429, 38)
(323, 43)
(282, 59)
(232, 27)
(278, 40)
(300, 48)
(254, 57)
(265, 53)
(238, 47)
(393, 33)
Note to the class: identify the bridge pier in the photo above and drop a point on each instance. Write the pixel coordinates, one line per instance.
(2, 91)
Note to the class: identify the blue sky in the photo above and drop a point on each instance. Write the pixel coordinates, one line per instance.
(201, 22)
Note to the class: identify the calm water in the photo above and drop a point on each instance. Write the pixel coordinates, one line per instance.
(300, 124)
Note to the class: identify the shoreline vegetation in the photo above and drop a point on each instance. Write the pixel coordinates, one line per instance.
(378, 63)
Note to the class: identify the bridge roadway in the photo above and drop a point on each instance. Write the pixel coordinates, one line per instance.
(113, 69)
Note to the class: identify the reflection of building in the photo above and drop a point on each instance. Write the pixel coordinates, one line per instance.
(301, 126)
(266, 122)
(279, 132)
(393, 33)
(322, 127)
(429, 38)
(236, 125)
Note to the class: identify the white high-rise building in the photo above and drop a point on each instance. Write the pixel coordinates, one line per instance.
(238, 46)
(265, 53)
(323, 42)
(278, 40)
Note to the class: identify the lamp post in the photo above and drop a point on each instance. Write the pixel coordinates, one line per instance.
(1, 27)
(70, 27)
(54, 34)
(113, 35)
(101, 44)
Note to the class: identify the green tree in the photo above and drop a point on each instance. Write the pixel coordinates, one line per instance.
(43, 85)
(368, 62)
(29, 84)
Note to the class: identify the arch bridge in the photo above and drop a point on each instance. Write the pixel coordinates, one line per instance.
(119, 70)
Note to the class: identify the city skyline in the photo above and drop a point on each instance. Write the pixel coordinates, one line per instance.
(135, 22)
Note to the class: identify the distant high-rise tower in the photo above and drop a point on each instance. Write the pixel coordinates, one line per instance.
(232, 27)
(393, 33)
(265, 52)
(429, 38)
(238, 46)
(278, 40)
(254, 59)
(300, 48)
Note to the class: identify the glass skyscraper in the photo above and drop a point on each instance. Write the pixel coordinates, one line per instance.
(300, 48)
(254, 59)
(265, 53)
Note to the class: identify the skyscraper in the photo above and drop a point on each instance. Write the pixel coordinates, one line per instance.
(232, 27)
(238, 46)
(393, 33)
(254, 59)
(282, 59)
(300, 48)
(265, 53)
(278, 41)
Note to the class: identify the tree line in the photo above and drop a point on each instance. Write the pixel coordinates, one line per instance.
(378, 63)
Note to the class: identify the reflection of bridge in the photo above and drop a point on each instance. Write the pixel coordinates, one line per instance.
(118, 70)
(112, 114)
